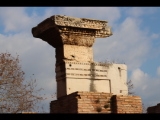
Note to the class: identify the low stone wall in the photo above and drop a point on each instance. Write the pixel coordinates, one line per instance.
(154, 109)
(66, 104)
(96, 102)
(126, 104)
(82, 102)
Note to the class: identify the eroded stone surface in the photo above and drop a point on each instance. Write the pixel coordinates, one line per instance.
(78, 40)
(63, 20)
(59, 30)
(74, 53)
(93, 77)
(76, 70)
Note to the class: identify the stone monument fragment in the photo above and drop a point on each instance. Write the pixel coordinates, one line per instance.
(76, 70)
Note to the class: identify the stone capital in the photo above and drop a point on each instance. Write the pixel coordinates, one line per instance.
(60, 29)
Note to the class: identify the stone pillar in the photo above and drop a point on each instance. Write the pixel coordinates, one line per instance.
(73, 39)
(84, 86)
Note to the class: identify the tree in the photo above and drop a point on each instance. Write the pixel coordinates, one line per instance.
(130, 87)
(16, 94)
(130, 92)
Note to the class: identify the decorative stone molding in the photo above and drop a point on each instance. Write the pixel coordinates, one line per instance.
(62, 20)
(60, 29)
(84, 63)
(79, 40)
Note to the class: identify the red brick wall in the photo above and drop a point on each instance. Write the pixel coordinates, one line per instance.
(96, 102)
(126, 104)
(66, 104)
(154, 109)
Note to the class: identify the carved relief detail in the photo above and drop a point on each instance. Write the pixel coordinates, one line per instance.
(77, 40)
(62, 20)
(73, 31)
(75, 74)
(104, 32)
(77, 31)
(92, 75)
(99, 27)
(84, 63)
(57, 71)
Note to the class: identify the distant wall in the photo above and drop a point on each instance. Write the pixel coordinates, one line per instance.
(96, 102)
(154, 109)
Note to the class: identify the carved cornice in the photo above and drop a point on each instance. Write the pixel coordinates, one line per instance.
(77, 31)
(62, 20)
(57, 28)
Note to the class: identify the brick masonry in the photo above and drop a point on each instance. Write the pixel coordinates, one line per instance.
(154, 109)
(96, 102)
(126, 104)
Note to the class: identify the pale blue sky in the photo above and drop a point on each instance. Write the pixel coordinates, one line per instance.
(135, 42)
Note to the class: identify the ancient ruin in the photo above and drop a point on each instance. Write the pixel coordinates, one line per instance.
(76, 70)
